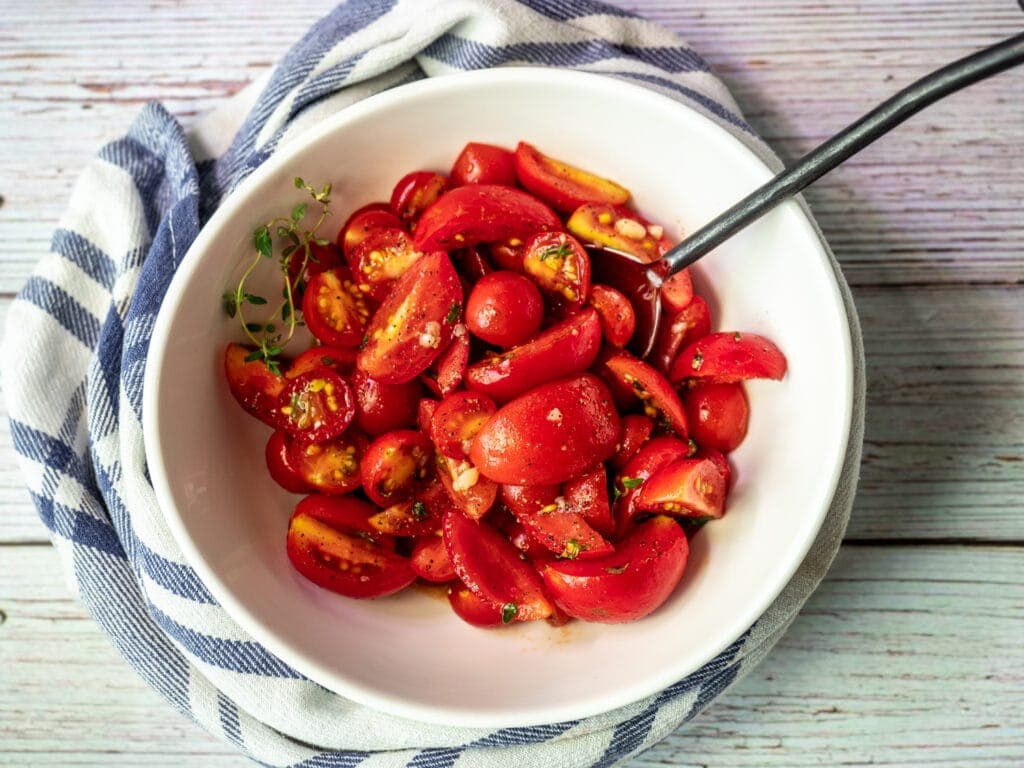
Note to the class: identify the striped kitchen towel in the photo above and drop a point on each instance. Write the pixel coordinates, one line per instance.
(81, 327)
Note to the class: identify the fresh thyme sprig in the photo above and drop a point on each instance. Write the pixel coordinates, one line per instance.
(295, 242)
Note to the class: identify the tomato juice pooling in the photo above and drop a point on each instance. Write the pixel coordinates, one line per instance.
(472, 415)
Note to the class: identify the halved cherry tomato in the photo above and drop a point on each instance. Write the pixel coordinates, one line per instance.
(687, 488)
(457, 420)
(395, 466)
(548, 517)
(490, 567)
(560, 266)
(588, 496)
(330, 467)
(482, 213)
(561, 185)
(331, 544)
(626, 585)
(618, 320)
(419, 516)
(677, 332)
(340, 359)
(729, 357)
(360, 224)
(504, 308)
(656, 395)
(316, 406)
(473, 609)
(720, 461)
(468, 490)
(380, 259)
(652, 456)
(430, 559)
(414, 193)
(549, 435)
(280, 465)
(484, 164)
(636, 428)
(619, 229)
(451, 365)
(717, 414)
(414, 324)
(677, 291)
(383, 407)
(521, 539)
(256, 388)
(562, 350)
(334, 308)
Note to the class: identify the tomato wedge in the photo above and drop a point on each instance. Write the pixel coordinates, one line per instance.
(364, 221)
(490, 567)
(627, 585)
(395, 466)
(561, 185)
(678, 332)
(620, 229)
(636, 428)
(614, 310)
(414, 324)
(340, 359)
(457, 420)
(657, 396)
(316, 406)
(729, 357)
(677, 291)
(473, 609)
(717, 414)
(468, 490)
(383, 407)
(330, 467)
(559, 266)
(334, 308)
(451, 365)
(562, 350)
(652, 456)
(484, 164)
(380, 259)
(280, 465)
(482, 213)
(419, 516)
(686, 487)
(256, 388)
(332, 545)
(414, 193)
(587, 495)
(430, 559)
(548, 517)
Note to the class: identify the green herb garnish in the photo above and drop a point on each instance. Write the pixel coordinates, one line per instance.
(508, 612)
(562, 251)
(632, 482)
(453, 312)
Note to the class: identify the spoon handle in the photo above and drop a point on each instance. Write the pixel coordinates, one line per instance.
(848, 142)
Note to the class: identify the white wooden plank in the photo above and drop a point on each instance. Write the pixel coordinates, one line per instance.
(904, 657)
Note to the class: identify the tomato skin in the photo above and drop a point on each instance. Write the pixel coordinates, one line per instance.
(431, 562)
(326, 545)
(384, 407)
(652, 456)
(552, 522)
(636, 429)
(484, 164)
(280, 465)
(255, 387)
(362, 223)
(330, 467)
(341, 359)
(482, 213)
(468, 490)
(415, 517)
(618, 228)
(561, 185)
(560, 267)
(729, 357)
(718, 415)
(457, 420)
(628, 584)
(549, 435)
(414, 193)
(316, 406)
(414, 324)
(451, 365)
(334, 308)
(679, 331)
(504, 308)
(490, 567)
(657, 396)
(686, 487)
(561, 350)
(614, 310)
(472, 263)
(473, 609)
(677, 292)
(395, 466)
(425, 413)
(380, 259)
(587, 495)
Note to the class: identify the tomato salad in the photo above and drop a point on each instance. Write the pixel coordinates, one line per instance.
(471, 414)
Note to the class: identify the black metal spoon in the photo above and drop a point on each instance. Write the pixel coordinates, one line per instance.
(641, 282)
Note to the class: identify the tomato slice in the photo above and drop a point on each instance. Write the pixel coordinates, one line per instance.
(430, 559)
(614, 310)
(414, 193)
(652, 456)
(451, 365)
(636, 429)
(362, 223)
(587, 495)
(414, 324)
(334, 308)
(679, 331)
(549, 435)
(561, 185)
(256, 388)
(457, 420)
(547, 516)
(677, 291)
(729, 357)
(484, 164)
(468, 490)
(330, 467)
(316, 406)
(657, 396)
(620, 229)
(380, 259)
(562, 350)
(559, 265)
(418, 516)
(490, 567)
(473, 609)
(332, 545)
(340, 359)
(384, 407)
(280, 465)
(627, 585)
(395, 466)
(504, 308)
(482, 213)
(686, 487)
(717, 414)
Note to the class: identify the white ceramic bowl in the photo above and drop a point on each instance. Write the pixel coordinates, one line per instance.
(409, 654)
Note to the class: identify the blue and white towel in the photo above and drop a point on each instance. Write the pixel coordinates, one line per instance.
(81, 327)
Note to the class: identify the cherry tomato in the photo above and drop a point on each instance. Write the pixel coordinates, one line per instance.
(418, 516)
(636, 429)
(618, 320)
(504, 308)
(484, 164)
(425, 410)
(677, 291)
(717, 414)
(652, 456)
(561, 185)
(686, 487)
(720, 461)
(508, 254)
(620, 229)
(334, 308)
(380, 259)
(471, 263)
(430, 559)
(341, 359)
(562, 350)
(316, 406)
(331, 544)
(256, 388)
(656, 395)
(549, 435)
(414, 193)
(414, 324)
(468, 490)
(383, 407)
(473, 609)
(626, 585)
(729, 357)
(395, 466)
(678, 331)
(560, 267)
(364, 221)
(280, 465)
(490, 567)
(482, 213)
(321, 258)
(330, 467)
(457, 420)
(587, 495)
(547, 516)
(451, 365)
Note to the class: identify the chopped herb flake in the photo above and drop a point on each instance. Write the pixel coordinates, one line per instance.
(632, 482)
(419, 510)
(508, 612)
(453, 312)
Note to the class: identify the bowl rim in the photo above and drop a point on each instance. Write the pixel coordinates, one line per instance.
(235, 201)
